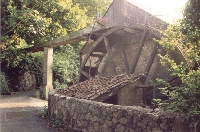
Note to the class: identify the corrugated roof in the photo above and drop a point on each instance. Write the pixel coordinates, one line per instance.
(94, 88)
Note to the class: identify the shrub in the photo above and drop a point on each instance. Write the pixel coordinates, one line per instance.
(4, 83)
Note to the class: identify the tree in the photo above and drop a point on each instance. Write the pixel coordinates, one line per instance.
(184, 35)
(92, 7)
(26, 23)
(32, 21)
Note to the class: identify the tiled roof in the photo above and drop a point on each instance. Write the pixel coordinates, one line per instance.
(94, 88)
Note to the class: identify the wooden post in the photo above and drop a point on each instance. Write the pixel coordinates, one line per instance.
(141, 44)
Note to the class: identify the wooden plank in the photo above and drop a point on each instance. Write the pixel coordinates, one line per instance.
(124, 58)
(70, 38)
(110, 56)
(85, 74)
(138, 53)
(153, 55)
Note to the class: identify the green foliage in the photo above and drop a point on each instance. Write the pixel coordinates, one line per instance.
(92, 7)
(185, 37)
(38, 21)
(33, 62)
(26, 23)
(65, 66)
(19, 62)
(4, 83)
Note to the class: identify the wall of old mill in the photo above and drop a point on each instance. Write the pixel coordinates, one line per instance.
(91, 116)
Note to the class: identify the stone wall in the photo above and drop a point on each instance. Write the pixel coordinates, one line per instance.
(90, 116)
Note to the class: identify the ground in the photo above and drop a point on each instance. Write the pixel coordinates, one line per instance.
(20, 112)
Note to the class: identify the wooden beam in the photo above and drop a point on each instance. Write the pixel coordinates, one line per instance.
(130, 30)
(70, 38)
(138, 53)
(88, 54)
(124, 58)
(85, 74)
(114, 29)
(110, 56)
(110, 31)
(98, 41)
(91, 49)
(153, 55)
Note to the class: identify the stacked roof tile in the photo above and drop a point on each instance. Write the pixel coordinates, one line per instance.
(94, 88)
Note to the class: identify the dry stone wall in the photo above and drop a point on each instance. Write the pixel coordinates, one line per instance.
(90, 116)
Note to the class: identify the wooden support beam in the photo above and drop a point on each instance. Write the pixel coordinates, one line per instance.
(88, 55)
(130, 30)
(110, 56)
(70, 38)
(138, 53)
(153, 55)
(98, 41)
(110, 31)
(114, 29)
(124, 58)
(91, 49)
(85, 74)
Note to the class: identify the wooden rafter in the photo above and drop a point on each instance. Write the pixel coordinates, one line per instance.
(138, 53)
(153, 55)
(110, 56)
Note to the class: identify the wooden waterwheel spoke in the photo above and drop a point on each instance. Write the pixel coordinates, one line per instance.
(153, 55)
(138, 53)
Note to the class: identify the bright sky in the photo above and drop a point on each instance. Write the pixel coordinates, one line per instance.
(168, 10)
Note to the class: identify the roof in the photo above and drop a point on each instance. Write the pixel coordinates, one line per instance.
(122, 12)
(165, 17)
(99, 88)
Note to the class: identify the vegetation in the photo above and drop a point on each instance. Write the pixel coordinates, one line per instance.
(3, 84)
(26, 23)
(184, 35)
(94, 6)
